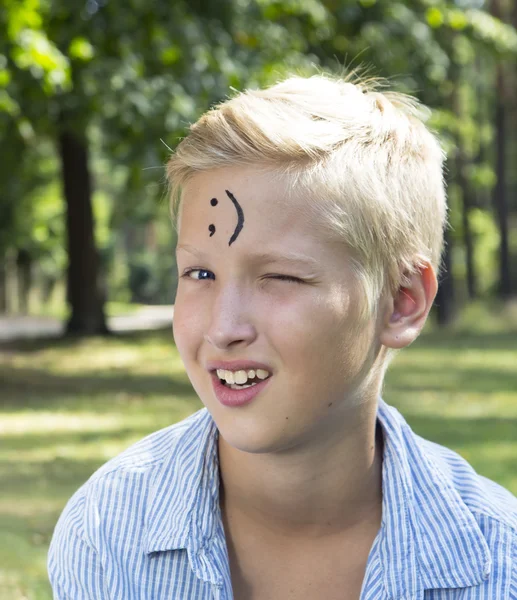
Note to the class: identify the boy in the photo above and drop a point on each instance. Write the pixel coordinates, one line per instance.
(310, 225)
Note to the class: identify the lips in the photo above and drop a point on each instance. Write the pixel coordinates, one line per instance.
(234, 398)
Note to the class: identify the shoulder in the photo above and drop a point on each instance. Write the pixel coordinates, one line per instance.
(120, 488)
(102, 536)
(493, 507)
(438, 467)
(471, 517)
(153, 449)
(484, 498)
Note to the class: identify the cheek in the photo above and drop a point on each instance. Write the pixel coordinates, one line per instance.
(288, 320)
(187, 326)
(304, 331)
(325, 338)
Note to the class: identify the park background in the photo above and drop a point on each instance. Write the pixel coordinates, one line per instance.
(94, 94)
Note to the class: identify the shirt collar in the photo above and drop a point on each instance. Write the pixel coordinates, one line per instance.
(183, 501)
(429, 538)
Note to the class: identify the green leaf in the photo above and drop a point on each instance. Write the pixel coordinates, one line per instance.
(464, 52)
(5, 77)
(434, 17)
(491, 30)
(457, 19)
(35, 50)
(22, 14)
(8, 105)
(25, 129)
(81, 49)
(170, 55)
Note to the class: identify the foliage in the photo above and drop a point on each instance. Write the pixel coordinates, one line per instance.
(134, 73)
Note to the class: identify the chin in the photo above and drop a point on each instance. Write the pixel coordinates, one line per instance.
(251, 437)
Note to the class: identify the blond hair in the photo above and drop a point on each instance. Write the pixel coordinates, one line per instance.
(369, 169)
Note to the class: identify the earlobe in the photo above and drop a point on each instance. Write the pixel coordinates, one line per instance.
(409, 308)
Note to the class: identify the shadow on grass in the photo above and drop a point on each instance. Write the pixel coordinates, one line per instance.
(460, 380)
(42, 522)
(39, 388)
(28, 345)
(32, 477)
(463, 432)
(465, 340)
(489, 445)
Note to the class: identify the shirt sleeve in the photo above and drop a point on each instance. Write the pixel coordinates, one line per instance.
(74, 566)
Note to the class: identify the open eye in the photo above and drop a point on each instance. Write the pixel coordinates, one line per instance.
(198, 274)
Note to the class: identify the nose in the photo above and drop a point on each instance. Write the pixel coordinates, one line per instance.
(231, 324)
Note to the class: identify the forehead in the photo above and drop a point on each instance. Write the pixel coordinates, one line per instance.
(240, 205)
(279, 225)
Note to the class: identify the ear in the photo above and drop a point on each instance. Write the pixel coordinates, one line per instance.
(407, 311)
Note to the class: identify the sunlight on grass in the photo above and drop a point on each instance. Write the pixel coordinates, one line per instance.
(21, 423)
(26, 422)
(68, 406)
(25, 507)
(72, 451)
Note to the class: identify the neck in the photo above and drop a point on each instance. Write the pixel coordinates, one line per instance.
(318, 490)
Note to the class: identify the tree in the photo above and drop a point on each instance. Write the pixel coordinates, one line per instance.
(51, 39)
(500, 190)
(115, 78)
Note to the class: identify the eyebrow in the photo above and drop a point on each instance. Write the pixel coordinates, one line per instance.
(263, 258)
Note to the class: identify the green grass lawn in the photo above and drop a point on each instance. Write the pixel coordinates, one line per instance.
(68, 406)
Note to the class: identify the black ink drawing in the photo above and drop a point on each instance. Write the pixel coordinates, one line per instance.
(211, 228)
(240, 217)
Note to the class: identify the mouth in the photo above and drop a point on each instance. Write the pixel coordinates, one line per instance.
(242, 379)
(241, 385)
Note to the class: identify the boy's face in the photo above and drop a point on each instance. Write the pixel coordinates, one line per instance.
(246, 242)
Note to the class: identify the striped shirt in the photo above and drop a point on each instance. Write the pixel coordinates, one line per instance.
(147, 525)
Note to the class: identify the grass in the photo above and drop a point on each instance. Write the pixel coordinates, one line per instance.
(68, 406)
(58, 309)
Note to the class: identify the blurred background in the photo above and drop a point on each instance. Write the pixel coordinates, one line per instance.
(94, 94)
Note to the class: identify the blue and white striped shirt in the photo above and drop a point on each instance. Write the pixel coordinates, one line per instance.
(147, 525)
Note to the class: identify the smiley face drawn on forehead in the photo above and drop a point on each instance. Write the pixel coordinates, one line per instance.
(240, 217)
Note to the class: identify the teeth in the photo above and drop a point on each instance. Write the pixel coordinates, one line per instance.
(240, 378)
(241, 387)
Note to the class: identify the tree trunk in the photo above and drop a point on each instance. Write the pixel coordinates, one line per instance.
(500, 199)
(445, 298)
(24, 279)
(3, 286)
(466, 201)
(83, 294)
(467, 231)
(483, 117)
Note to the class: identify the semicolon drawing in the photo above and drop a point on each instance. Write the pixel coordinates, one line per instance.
(240, 217)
